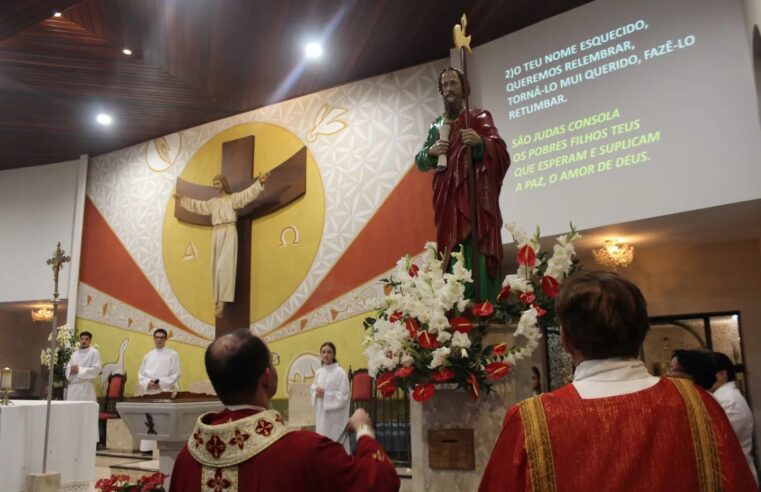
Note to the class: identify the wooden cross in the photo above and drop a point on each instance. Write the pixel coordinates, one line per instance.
(286, 183)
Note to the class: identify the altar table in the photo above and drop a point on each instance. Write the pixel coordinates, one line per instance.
(71, 445)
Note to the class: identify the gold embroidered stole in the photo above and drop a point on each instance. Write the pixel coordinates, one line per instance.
(703, 436)
(221, 448)
(538, 446)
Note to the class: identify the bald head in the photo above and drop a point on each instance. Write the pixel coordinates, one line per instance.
(235, 364)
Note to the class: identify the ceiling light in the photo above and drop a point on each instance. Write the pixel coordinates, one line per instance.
(614, 254)
(104, 119)
(57, 13)
(313, 50)
(127, 51)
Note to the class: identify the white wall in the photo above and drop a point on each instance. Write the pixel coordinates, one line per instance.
(37, 210)
(752, 16)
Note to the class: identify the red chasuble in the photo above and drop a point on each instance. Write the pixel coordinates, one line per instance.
(671, 437)
(252, 451)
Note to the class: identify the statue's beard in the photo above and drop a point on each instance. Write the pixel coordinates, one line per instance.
(454, 107)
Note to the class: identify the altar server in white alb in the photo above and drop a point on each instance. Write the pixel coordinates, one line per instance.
(82, 369)
(160, 370)
(330, 396)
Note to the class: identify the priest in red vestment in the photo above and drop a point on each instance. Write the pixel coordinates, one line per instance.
(615, 427)
(481, 144)
(247, 447)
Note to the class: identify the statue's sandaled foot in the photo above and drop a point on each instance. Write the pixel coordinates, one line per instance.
(218, 308)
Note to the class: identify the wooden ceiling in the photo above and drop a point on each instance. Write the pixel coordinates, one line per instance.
(195, 61)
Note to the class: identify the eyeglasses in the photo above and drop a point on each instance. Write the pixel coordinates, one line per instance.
(159, 338)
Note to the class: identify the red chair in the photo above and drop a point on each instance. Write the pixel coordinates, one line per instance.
(114, 395)
(361, 385)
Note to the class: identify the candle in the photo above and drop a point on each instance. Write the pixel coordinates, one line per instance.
(6, 378)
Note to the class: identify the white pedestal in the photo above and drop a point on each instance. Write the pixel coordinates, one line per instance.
(119, 437)
(300, 409)
(455, 409)
(43, 482)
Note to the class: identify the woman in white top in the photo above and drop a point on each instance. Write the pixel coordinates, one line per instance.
(330, 396)
(731, 400)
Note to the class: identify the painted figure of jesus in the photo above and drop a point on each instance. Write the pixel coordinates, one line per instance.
(223, 210)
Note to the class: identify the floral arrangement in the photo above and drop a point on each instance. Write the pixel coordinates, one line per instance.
(120, 483)
(529, 293)
(67, 342)
(427, 332)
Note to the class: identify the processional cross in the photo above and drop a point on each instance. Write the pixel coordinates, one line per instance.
(56, 262)
(286, 183)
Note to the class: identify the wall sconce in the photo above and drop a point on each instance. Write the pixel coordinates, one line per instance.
(614, 254)
(42, 315)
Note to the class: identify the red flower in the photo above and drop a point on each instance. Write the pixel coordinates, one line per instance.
(427, 341)
(539, 311)
(504, 293)
(413, 270)
(550, 286)
(461, 324)
(442, 375)
(396, 316)
(404, 371)
(499, 349)
(527, 297)
(423, 392)
(412, 327)
(496, 371)
(526, 256)
(386, 384)
(483, 309)
(103, 484)
(152, 483)
(474, 386)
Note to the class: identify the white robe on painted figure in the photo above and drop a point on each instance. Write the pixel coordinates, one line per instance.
(224, 242)
(81, 385)
(332, 410)
(162, 364)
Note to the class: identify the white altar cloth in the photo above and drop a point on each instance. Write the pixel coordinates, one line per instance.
(71, 446)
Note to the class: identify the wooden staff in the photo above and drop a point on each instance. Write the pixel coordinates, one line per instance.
(462, 42)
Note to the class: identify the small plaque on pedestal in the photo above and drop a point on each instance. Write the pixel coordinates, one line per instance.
(451, 449)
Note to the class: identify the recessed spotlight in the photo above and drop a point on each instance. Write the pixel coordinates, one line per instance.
(103, 119)
(127, 51)
(57, 13)
(313, 50)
